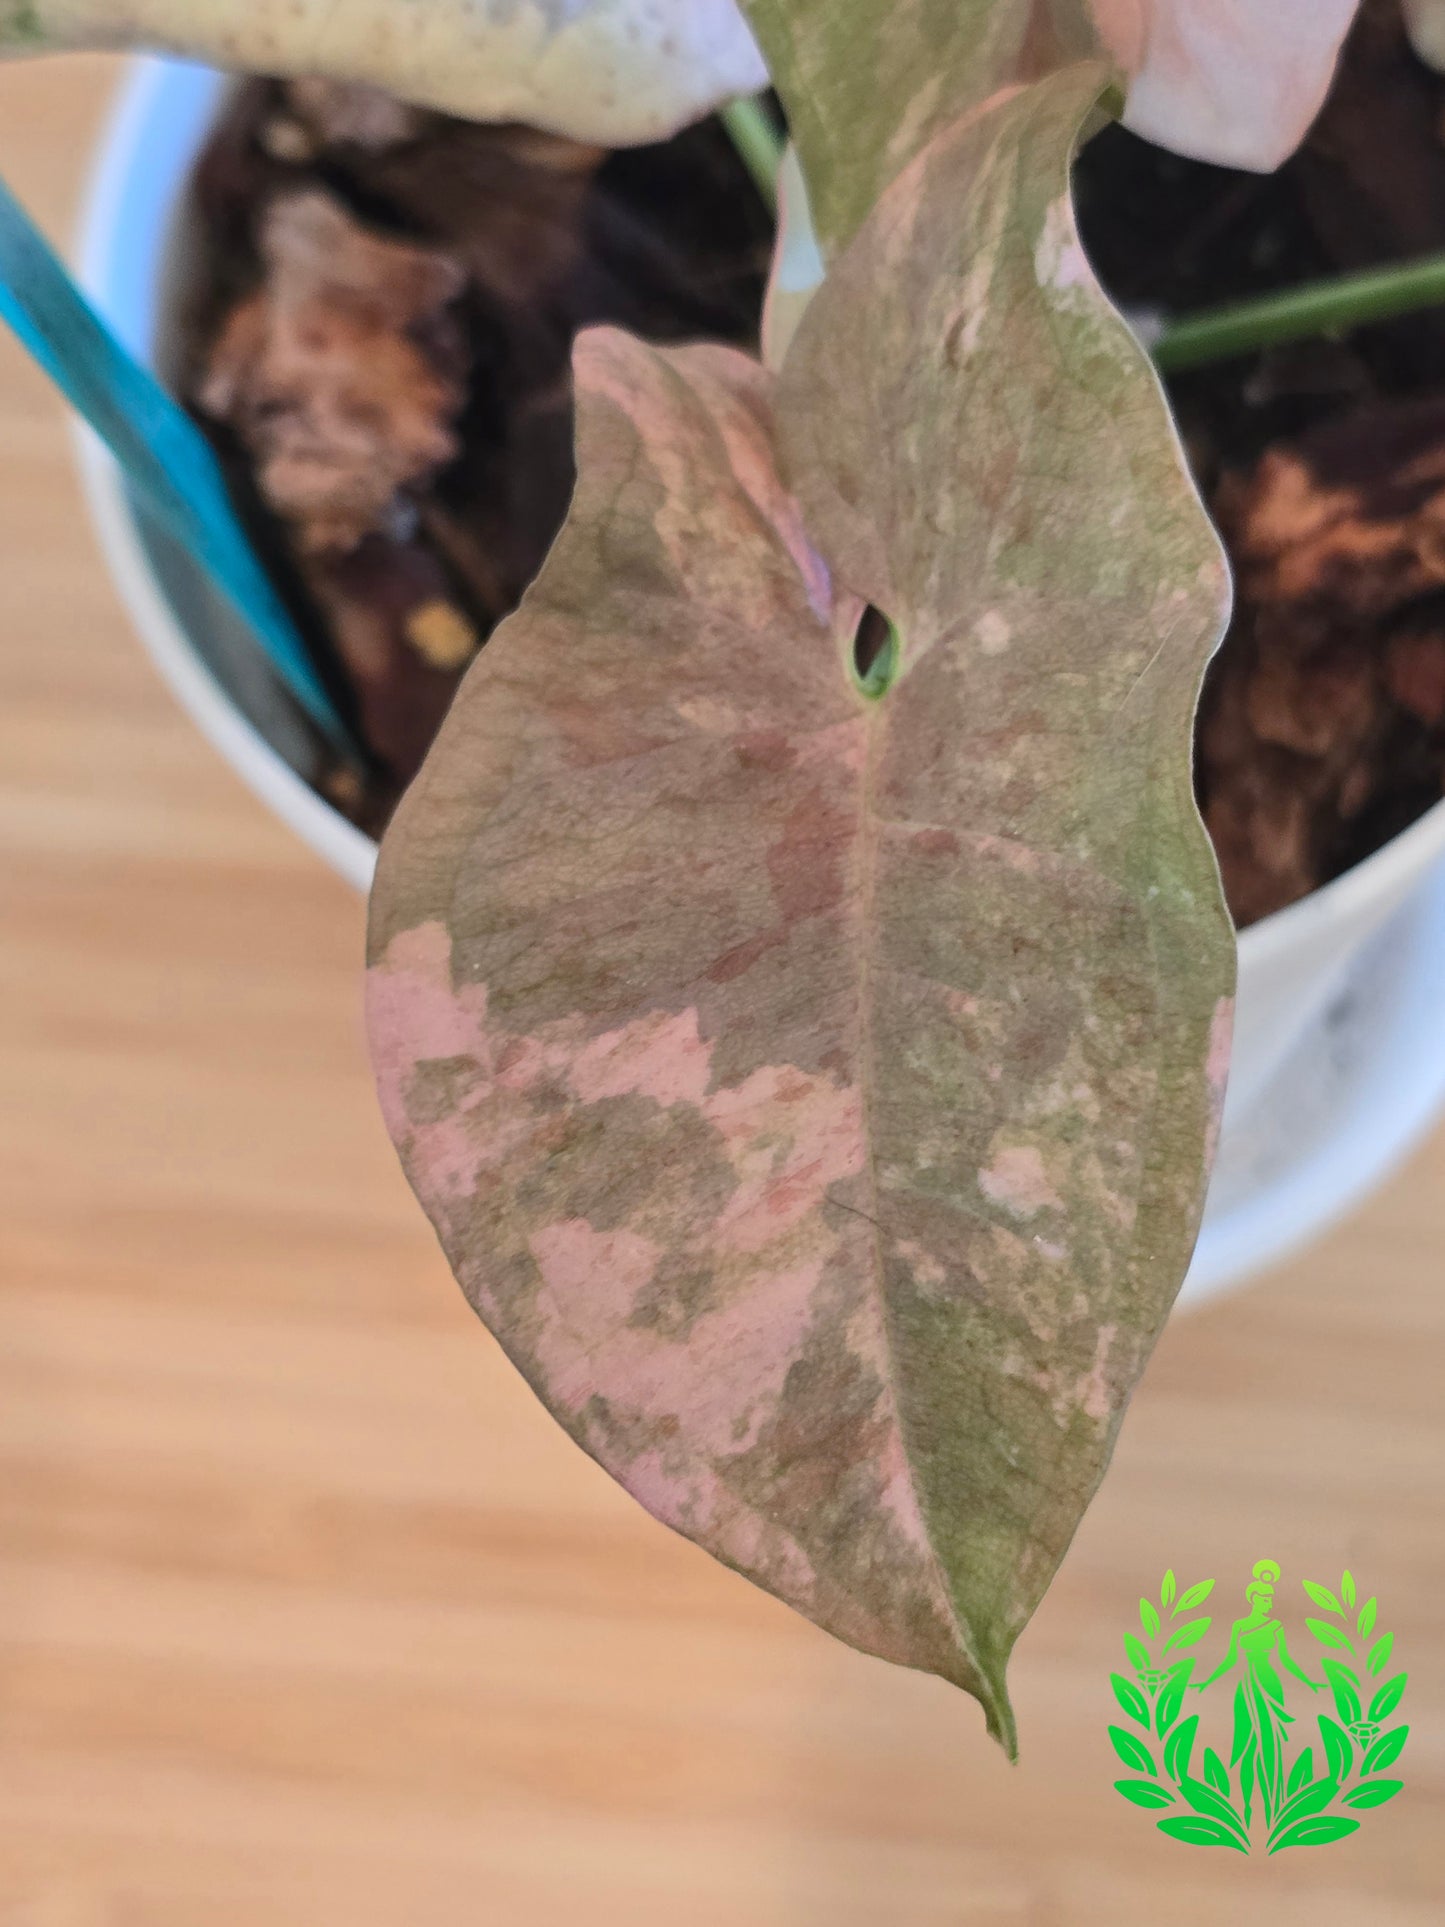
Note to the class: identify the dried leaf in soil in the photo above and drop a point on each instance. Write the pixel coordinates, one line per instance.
(1323, 727)
(814, 1091)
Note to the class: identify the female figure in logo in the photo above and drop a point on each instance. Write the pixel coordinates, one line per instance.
(1257, 1642)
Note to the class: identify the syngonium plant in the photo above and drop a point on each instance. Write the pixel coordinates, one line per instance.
(799, 980)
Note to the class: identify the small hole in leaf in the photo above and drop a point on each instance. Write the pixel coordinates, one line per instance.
(875, 652)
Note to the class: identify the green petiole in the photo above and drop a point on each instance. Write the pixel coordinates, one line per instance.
(759, 141)
(1315, 308)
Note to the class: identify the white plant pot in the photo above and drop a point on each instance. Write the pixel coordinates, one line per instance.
(1339, 1061)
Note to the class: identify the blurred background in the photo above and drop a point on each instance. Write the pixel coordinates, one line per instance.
(309, 1617)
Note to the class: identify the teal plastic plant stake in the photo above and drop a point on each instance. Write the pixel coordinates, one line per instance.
(163, 453)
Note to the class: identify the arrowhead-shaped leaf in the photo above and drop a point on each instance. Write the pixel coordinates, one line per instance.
(813, 1089)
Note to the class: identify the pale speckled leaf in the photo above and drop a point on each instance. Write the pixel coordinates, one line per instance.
(813, 1092)
(1232, 81)
(613, 71)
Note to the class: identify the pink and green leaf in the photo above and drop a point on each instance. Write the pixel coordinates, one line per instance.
(814, 1090)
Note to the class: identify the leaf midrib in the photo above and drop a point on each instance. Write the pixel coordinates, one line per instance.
(997, 1708)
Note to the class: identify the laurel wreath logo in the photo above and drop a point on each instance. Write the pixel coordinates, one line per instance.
(1267, 1796)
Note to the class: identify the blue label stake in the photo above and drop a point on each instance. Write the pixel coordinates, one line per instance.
(166, 457)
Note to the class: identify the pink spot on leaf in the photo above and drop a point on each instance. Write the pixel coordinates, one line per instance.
(1216, 1071)
(1094, 1394)
(1017, 1180)
(660, 1056)
(721, 1383)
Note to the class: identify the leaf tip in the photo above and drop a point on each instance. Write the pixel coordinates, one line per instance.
(1002, 1725)
(987, 1682)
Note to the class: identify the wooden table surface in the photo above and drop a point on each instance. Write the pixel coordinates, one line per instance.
(309, 1617)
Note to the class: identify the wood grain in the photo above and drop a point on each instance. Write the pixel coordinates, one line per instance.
(309, 1617)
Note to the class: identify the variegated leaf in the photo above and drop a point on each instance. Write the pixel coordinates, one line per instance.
(868, 85)
(1216, 79)
(613, 71)
(814, 1090)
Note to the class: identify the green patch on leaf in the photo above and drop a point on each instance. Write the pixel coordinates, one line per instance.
(21, 25)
